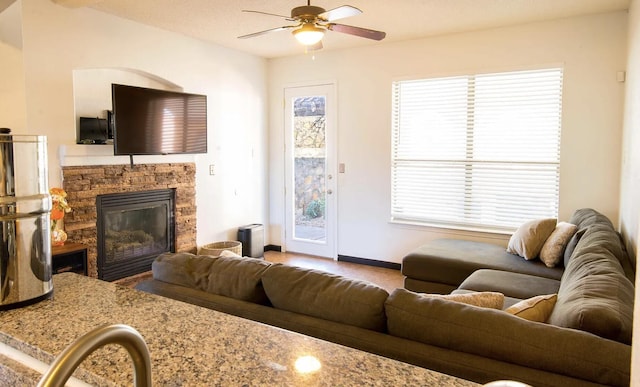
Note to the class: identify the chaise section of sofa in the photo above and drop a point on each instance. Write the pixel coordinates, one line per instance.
(441, 265)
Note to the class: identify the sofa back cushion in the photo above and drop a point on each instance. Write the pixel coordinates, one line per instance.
(239, 278)
(183, 269)
(498, 335)
(596, 291)
(591, 221)
(328, 296)
(595, 296)
(234, 277)
(585, 217)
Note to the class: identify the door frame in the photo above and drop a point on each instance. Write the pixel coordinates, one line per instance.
(329, 249)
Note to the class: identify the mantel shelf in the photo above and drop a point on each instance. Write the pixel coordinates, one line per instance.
(102, 154)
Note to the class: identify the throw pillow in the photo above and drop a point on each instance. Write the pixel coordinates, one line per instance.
(493, 300)
(536, 308)
(553, 249)
(229, 254)
(528, 239)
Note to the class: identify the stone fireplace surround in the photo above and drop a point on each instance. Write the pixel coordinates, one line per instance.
(84, 183)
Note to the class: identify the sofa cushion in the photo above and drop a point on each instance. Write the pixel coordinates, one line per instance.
(552, 251)
(514, 285)
(493, 300)
(595, 296)
(585, 217)
(325, 295)
(601, 238)
(529, 238)
(183, 269)
(536, 308)
(498, 335)
(239, 278)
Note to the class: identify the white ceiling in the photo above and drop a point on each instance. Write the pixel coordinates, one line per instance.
(221, 21)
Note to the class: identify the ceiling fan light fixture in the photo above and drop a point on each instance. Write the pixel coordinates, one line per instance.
(308, 34)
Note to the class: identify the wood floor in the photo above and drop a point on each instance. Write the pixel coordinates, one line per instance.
(388, 279)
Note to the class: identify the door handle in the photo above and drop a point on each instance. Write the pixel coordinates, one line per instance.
(329, 192)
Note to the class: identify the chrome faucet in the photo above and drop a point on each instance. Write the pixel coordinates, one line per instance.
(69, 359)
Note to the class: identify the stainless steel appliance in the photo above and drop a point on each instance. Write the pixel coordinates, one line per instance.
(25, 204)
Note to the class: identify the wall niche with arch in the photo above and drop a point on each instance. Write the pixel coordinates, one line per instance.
(92, 96)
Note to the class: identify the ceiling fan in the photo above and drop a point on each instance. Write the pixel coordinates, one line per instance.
(312, 22)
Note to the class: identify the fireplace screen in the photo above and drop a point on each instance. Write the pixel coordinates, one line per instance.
(133, 229)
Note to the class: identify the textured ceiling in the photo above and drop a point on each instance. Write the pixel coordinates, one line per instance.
(221, 21)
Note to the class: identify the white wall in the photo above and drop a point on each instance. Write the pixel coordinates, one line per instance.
(591, 49)
(630, 182)
(12, 93)
(58, 41)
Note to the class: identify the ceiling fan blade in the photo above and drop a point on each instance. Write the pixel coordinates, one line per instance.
(270, 14)
(357, 31)
(265, 32)
(340, 13)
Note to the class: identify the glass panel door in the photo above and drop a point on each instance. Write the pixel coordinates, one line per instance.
(310, 191)
(309, 160)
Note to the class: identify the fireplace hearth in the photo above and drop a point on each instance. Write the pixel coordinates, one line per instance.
(133, 228)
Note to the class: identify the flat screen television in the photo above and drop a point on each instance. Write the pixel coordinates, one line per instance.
(158, 122)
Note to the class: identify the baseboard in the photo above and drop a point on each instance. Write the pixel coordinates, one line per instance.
(347, 258)
(273, 248)
(370, 262)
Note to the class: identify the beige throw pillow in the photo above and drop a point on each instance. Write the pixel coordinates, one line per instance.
(536, 308)
(528, 239)
(493, 300)
(553, 249)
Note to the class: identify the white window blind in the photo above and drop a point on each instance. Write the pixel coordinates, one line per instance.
(479, 151)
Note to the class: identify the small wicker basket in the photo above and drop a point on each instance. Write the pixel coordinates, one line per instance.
(217, 248)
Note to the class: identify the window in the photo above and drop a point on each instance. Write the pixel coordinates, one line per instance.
(477, 151)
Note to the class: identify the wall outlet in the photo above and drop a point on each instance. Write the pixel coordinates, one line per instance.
(212, 169)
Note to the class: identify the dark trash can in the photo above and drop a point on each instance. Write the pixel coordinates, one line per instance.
(252, 238)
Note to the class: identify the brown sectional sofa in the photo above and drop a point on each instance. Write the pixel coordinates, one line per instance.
(595, 283)
(470, 342)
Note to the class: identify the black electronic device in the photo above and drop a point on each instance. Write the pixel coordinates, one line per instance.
(93, 130)
(252, 238)
(158, 122)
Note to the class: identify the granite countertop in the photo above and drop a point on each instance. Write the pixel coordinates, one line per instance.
(190, 345)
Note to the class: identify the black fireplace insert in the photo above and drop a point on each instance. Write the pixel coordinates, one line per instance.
(133, 229)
